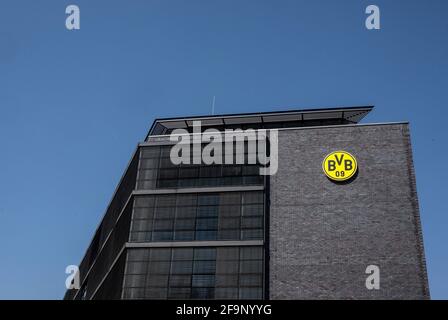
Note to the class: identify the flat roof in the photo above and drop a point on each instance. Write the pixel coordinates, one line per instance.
(347, 114)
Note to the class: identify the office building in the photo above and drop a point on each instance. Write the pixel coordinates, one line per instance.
(223, 231)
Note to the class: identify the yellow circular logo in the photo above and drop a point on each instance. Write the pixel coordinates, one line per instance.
(339, 165)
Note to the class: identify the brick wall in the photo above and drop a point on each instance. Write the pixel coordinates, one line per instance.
(323, 235)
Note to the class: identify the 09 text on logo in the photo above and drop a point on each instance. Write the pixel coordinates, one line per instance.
(339, 166)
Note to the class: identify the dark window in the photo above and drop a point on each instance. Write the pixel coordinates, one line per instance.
(156, 170)
(210, 216)
(194, 273)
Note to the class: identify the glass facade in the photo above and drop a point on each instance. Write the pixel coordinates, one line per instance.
(198, 216)
(164, 212)
(194, 273)
(156, 171)
(212, 272)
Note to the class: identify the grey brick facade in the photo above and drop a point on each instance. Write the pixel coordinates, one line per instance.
(323, 235)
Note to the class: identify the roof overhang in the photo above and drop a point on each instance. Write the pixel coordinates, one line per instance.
(348, 114)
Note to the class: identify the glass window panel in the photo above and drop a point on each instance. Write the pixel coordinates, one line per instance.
(181, 267)
(147, 175)
(180, 281)
(187, 200)
(183, 254)
(184, 224)
(251, 234)
(157, 280)
(253, 170)
(134, 293)
(231, 171)
(250, 293)
(156, 293)
(226, 181)
(135, 280)
(251, 266)
(149, 163)
(171, 176)
(203, 281)
(159, 267)
(138, 254)
(229, 223)
(160, 254)
(165, 212)
(141, 225)
(162, 235)
(185, 212)
(163, 224)
(228, 253)
(230, 211)
(204, 253)
(252, 197)
(230, 198)
(204, 267)
(166, 201)
(210, 171)
(226, 293)
(171, 183)
(235, 267)
(227, 280)
(144, 201)
(207, 224)
(200, 182)
(206, 235)
(186, 183)
(229, 234)
(202, 293)
(208, 211)
(136, 267)
(210, 220)
(253, 210)
(179, 293)
(188, 173)
(141, 236)
(227, 267)
(143, 213)
(251, 253)
(208, 199)
(252, 222)
(252, 180)
(167, 163)
(150, 152)
(184, 235)
(146, 184)
(233, 181)
(165, 151)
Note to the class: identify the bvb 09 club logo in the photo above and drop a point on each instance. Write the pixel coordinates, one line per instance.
(339, 166)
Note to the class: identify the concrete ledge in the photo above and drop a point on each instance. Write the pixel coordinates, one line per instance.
(198, 190)
(223, 243)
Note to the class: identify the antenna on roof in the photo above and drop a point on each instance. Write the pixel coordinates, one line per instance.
(213, 106)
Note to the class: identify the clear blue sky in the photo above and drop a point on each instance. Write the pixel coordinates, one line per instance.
(74, 104)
